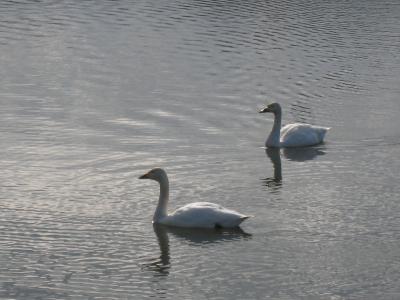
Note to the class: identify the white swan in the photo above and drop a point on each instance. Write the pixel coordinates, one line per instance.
(194, 215)
(292, 135)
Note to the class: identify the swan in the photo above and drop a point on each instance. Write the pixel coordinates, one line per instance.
(193, 215)
(292, 135)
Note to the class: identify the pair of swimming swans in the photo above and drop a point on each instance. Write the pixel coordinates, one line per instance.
(211, 215)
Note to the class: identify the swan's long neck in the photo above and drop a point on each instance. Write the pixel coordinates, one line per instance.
(275, 135)
(161, 210)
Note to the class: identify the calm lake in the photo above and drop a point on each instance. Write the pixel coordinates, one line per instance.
(95, 93)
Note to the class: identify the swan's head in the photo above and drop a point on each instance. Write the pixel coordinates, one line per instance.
(156, 174)
(272, 108)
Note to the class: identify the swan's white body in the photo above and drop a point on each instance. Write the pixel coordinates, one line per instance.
(194, 215)
(301, 135)
(292, 135)
(203, 215)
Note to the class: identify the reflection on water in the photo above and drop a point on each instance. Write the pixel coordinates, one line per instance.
(94, 92)
(300, 154)
(274, 182)
(194, 236)
(199, 236)
(304, 153)
(160, 265)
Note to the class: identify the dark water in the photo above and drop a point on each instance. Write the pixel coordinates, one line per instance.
(95, 93)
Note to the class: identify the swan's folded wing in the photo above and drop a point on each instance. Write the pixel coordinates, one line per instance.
(298, 135)
(204, 215)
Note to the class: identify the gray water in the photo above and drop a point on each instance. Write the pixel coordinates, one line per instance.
(95, 93)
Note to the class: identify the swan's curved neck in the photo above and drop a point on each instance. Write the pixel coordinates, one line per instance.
(161, 210)
(275, 135)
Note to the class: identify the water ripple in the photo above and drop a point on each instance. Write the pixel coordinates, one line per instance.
(93, 94)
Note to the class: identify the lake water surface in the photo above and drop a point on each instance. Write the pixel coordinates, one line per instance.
(95, 93)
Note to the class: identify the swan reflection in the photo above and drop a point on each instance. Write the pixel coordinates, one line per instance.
(162, 264)
(274, 182)
(292, 154)
(303, 154)
(200, 235)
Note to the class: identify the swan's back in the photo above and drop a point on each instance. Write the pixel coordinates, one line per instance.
(300, 135)
(204, 215)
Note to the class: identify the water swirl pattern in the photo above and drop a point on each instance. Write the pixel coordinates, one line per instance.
(95, 93)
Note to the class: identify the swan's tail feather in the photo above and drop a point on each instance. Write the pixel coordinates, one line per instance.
(322, 132)
(244, 218)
